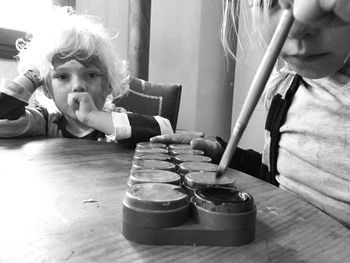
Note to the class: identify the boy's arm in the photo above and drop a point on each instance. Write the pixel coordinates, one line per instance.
(128, 127)
(14, 96)
(125, 127)
(10, 107)
(132, 127)
(15, 119)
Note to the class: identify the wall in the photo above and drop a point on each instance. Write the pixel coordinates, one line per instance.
(8, 69)
(248, 61)
(215, 75)
(114, 15)
(174, 46)
(185, 48)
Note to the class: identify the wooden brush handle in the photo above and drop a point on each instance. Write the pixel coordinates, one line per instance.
(258, 84)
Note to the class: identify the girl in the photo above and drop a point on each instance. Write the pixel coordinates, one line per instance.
(307, 146)
(72, 59)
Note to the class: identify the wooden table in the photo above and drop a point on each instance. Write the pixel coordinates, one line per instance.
(61, 201)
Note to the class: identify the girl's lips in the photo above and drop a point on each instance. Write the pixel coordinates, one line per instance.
(304, 58)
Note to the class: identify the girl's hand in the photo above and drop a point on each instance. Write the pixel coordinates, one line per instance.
(320, 12)
(177, 138)
(83, 106)
(210, 146)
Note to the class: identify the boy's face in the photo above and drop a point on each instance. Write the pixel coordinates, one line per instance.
(73, 76)
(313, 52)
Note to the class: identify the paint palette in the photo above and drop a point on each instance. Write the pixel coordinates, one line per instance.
(200, 210)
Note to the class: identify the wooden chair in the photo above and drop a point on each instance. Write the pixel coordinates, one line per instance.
(149, 98)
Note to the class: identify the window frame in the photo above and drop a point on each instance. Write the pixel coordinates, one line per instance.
(8, 37)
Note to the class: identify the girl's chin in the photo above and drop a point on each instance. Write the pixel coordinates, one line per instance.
(308, 72)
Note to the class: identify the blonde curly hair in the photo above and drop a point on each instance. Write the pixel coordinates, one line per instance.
(68, 34)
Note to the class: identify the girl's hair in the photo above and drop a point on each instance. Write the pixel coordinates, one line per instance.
(229, 26)
(257, 11)
(68, 34)
(243, 11)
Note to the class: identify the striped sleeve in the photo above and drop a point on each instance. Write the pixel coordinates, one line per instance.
(133, 127)
(17, 120)
(13, 99)
(10, 107)
(32, 123)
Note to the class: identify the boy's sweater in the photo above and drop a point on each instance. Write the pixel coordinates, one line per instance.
(19, 120)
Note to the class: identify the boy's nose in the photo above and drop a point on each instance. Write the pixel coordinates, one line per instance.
(78, 86)
(78, 89)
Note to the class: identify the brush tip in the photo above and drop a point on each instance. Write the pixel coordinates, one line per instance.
(219, 172)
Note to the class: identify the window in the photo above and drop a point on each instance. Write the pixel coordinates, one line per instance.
(18, 16)
(7, 42)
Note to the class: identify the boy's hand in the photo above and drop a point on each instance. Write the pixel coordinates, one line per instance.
(34, 76)
(30, 80)
(320, 12)
(83, 105)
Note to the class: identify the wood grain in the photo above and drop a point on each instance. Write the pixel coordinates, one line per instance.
(61, 201)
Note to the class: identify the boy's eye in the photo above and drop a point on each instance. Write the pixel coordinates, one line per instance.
(62, 76)
(92, 75)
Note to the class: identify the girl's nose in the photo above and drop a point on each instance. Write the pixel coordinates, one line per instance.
(286, 3)
(301, 30)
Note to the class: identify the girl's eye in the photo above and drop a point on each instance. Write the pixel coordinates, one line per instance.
(271, 3)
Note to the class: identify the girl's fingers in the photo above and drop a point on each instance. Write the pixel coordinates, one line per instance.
(173, 138)
(210, 147)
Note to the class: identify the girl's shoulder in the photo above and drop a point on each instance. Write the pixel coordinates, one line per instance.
(278, 83)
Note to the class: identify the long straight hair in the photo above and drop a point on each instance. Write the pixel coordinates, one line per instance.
(239, 14)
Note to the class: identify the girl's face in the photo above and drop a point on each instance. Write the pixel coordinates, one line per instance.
(73, 76)
(309, 51)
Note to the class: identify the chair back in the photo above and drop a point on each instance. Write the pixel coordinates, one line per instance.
(149, 98)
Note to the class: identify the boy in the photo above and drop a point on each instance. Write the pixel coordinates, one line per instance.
(72, 60)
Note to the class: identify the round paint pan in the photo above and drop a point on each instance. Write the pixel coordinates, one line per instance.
(154, 176)
(224, 208)
(155, 205)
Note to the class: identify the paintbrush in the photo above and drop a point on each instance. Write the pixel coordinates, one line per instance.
(257, 86)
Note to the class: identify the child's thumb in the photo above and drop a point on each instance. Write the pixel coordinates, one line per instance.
(73, 100)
